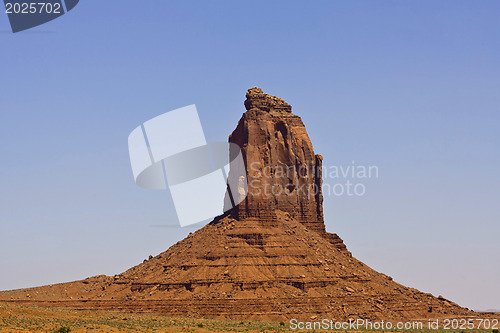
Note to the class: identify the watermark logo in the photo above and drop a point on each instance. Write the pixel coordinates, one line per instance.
(170, 151)
(357, 325)
(348, 180)
(25, 14)
(302, 180)
(360, 324)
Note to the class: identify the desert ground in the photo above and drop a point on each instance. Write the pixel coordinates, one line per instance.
(20, 318)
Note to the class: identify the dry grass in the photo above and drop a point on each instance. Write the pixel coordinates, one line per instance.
(19, 318)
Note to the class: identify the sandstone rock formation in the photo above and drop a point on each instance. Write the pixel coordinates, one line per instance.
(269, 258)
(283, 173)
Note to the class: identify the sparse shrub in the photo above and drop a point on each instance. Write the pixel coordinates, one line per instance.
(494, 330)
(282, 323)
(200, 325)
(63, 329)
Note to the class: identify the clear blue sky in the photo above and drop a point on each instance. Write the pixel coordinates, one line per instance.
(409, 86)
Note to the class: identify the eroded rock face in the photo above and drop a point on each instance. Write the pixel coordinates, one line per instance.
(256, 99)
(283, 172)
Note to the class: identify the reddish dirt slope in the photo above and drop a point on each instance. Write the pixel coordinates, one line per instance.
(241, 269)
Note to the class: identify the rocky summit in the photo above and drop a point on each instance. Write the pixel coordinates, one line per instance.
(268, 258)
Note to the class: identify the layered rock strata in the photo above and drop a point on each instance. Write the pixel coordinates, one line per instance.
(283, 172)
